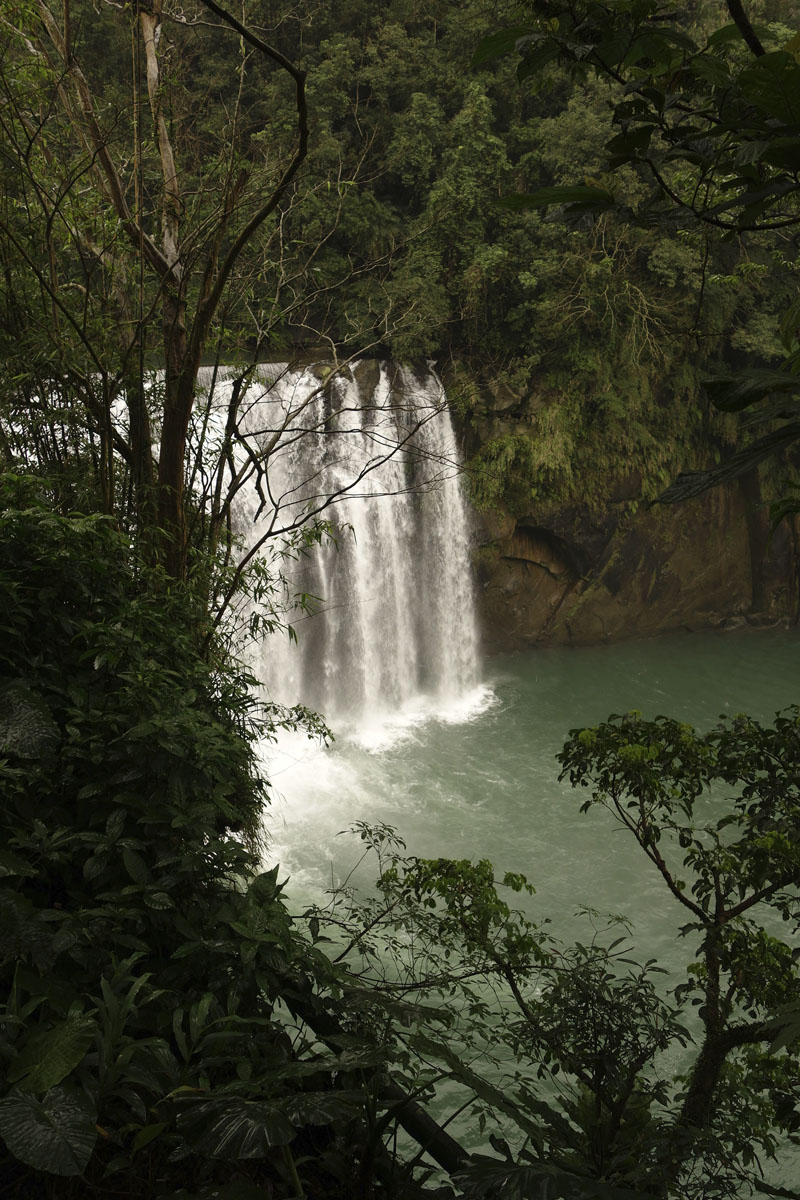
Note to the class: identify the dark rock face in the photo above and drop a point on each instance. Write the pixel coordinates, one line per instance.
(570, 576)
(616, 568)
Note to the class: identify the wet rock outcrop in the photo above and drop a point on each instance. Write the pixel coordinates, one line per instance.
(570, 576)
(617, 566)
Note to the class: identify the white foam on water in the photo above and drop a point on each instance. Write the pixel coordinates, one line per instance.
(318, 791)
(385, 730)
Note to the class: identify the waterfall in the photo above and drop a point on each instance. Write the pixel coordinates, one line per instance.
(393, 622)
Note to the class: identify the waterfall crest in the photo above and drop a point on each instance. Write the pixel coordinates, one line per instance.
(395, 619)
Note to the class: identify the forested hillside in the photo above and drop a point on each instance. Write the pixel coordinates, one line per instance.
(573, 345)
(392, 240)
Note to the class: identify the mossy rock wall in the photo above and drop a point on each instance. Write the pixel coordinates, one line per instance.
(573, 570)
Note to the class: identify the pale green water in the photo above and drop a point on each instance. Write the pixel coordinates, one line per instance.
(487, 786)
(481, 781)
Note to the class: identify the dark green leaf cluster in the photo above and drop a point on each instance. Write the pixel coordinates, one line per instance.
(143, 952)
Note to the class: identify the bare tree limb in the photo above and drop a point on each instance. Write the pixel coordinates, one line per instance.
(210, 303)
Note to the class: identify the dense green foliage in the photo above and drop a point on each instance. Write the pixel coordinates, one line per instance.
(392, 240)
(142, 950)
(703, 117)
(597, 330)
(167, 1025)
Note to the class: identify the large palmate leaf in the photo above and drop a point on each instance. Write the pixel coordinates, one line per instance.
(322, 1108)
(492, 1179)
(54, 1133)
(232, 1127)
(50, 1056)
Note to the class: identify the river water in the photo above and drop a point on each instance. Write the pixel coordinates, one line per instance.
(479, 779)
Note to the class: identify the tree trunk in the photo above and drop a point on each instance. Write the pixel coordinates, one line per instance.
(141, 443)
(697, 1109)
(178, 399)
(757, 537)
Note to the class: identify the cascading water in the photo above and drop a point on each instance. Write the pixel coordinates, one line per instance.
(395, 627)
(389, 652)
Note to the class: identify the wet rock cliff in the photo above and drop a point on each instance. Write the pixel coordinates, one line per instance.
(619, 566)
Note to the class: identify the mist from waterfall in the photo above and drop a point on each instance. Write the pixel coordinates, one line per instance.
(391, 632)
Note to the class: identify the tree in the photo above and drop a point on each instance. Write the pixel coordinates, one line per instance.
(115, 224)
(723, 870)
(189, 263)
(602, 1081)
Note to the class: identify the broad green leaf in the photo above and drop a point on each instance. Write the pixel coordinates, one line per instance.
(736, 392)
(661, 48)
(712, 69)
(49, 1057)
(135, 865)
(631, 142)
(322, 1108)
(693, 483)
(147, 1134)
(772, 83)
(614, 47)
(725, 35)
(785, 1026)
(13, 864)
(783, 152)
(95, 865)
(265, 887)
(56, 1133)
(198, 1015)
(536, 58)
(115, 824)
(232, 1127)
